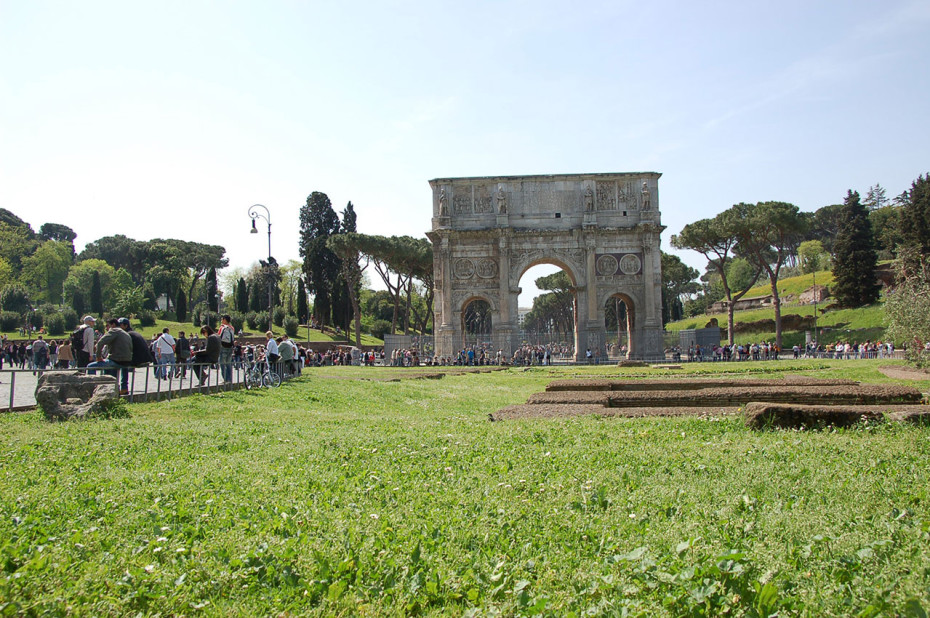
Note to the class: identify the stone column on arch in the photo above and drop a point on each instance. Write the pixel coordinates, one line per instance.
(652, 296)
(446, 328)
(505, 331)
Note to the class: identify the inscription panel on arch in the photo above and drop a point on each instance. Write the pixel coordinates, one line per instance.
(610, 264)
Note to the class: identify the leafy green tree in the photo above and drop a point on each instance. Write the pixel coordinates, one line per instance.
(45, 271)
(96, 294)
(121, 282)
(907, 304)
(854, 257)
(875, 197)
(768, 233)
(80, 279)
(678, 282)
(15, 298)
(57, 231)
(886, 226)
(15, 244)
(128, 302)
(318, 221)
(6, 273)
(351, 274)
(915, 216)
(8, 218)
(716, 240)
(812, 257)
(824, 225)
(60, 233)
(119, 252)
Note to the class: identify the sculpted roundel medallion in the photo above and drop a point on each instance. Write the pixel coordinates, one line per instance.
(487, 268)
(630, 264)
(463, 268)
(606, 265)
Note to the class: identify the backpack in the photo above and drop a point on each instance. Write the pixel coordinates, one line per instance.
(77, 339)
(141, 355)
(227, 342)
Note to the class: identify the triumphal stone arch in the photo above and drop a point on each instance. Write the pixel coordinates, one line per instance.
(602, 229)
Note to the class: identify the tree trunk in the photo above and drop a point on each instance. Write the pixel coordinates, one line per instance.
(396, 295)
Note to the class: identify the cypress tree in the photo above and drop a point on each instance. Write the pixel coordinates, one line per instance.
(181, 306)
(854, 256)
(303, 310)
(96, 295)
(915, 216)
(242, 296)
(213, 300)
(255, 297)
(77, 301)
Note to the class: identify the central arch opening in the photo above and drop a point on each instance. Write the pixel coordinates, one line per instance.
(547, 308)
(477, 325)
(618, 324)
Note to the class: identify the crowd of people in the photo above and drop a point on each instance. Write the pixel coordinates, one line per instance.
(176, 356)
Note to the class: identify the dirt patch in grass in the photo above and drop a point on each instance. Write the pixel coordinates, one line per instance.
(530, 411)
(899, 372)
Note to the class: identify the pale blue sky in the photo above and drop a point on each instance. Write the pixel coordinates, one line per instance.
(170, 119)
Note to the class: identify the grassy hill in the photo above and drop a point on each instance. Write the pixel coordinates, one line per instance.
(856, 325)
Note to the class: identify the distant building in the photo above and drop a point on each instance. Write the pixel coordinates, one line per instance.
(521, 314)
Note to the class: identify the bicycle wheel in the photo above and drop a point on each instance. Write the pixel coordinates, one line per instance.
(271, 379)
(252, 380)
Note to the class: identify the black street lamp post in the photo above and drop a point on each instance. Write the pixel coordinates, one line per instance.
(255, 214)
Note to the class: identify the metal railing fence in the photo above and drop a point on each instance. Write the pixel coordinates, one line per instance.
(149, 383)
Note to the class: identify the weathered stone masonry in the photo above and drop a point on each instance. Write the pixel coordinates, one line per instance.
(603, 229)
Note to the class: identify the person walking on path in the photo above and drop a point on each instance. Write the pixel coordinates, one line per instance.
(39, 354)
(164, 353)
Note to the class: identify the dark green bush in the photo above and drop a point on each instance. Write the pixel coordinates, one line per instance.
(147, 318)
(279, 315)
(55, 324)
(379, 328)
(291, 325)
(71, 318)
(237, 320)
(15, 298)
(9, 321)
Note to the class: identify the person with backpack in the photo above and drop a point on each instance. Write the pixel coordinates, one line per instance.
(227, 342)
(82, 341)
(164, 354)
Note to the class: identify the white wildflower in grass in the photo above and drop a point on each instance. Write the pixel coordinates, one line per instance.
(150, 568)
(374, 516)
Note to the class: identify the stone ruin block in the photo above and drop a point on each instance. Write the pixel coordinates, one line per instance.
(63, 395)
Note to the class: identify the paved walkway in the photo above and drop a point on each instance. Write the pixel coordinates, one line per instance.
(141, 381)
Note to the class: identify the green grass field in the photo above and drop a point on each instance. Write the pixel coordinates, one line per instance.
(339, 496)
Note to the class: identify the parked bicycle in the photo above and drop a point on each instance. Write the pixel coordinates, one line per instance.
(260, 374)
